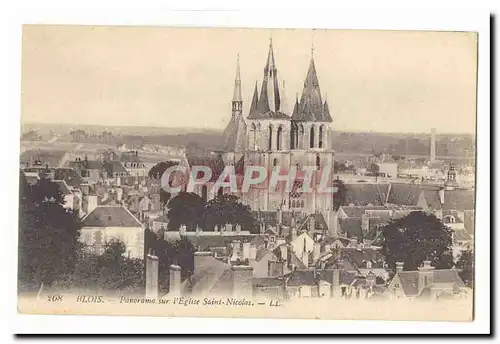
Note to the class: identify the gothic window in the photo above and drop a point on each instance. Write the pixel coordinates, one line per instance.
(300, 138)
(311, 138)
(253, 136)
(270, 140)
(275, 162)
(320, 137)
(278, 138)
(318, 162)
(204, 193)
(293, 137)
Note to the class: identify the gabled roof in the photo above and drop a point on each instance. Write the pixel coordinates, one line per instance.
(299, 278)
(207, 272)
(358, 211)
(352, 227)
(110, 216)
(52, 158)
(409, 282)
(459, 200)
(69, 175)
(63, 187)
(409, 194)
(266, 282)
(461, 235)
(364, 194)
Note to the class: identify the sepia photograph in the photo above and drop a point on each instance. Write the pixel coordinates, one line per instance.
(247, 172)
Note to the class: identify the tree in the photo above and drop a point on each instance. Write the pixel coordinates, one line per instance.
(179, 252)
(374, 168)
(227, 209)
(417, 237)
(465, 263)
(339, 197)
(48, 234)
(186, 208)
(156, 172)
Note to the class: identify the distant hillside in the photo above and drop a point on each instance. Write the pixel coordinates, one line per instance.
(211, 139)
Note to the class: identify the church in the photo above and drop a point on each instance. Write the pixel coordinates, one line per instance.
(272, 137)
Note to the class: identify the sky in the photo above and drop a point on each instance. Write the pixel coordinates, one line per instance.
(384, 81)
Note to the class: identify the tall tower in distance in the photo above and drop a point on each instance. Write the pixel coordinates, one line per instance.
(433, 146)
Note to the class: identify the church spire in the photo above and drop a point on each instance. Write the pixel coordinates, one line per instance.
(255, 101)
(269, 95)
(237, 83)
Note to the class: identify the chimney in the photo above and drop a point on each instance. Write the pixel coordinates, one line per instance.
(246, 250)
(238, 228)
(316, 252)
(399, 267)
(175, 280)
(441, 195)
(336, 283)
(89, 203)
(151, 276)
(279, 216)
(312, 223)
(284, 252)
(425, 275)
(433, 146)
(365, 223)
(242, 281)
(371, 279)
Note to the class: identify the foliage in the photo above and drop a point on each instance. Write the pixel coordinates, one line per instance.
(186, 208)
(374, 168)
(109, 271)
(465, 262)
(48, 234)
(179, 252)
(415, 238)
(157, 172)
(225, 209)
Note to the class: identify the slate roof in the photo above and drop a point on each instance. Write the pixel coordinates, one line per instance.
(53, 158)
(408, 194)
(409, 282)
(207, 272)
(461, 235)
(69, 175)
(364, 194)
(115, 167)
(459, 200)
(358, 211)
(266, 282)
(214, 162)
(62, 187)
(110, 216)
(301, 277)
(352, 227)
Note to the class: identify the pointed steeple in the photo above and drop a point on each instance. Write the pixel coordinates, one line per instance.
(295, 112)
(283, 100)
(255, 101)
(237, 83)
(269, 95)
(311, 106)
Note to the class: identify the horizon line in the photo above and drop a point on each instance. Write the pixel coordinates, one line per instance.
(222, 129)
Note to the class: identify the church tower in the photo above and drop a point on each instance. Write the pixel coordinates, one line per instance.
(235, 133)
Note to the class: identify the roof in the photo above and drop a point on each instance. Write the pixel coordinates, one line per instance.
(409, 194)
(62, 187)
(352, 227)
(110, 216)
(461, 235)
(115, 167)
(266, 282)
(207, 271)
(214, 162)
(358, 211)
(469, 221)
(365, 194)
(459, 200)
(448, 276)
(311, 107)
(301, 277)
(69, 175)
(409, 282)
(52, 158)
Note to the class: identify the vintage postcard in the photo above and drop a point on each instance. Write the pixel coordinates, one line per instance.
(253, 173)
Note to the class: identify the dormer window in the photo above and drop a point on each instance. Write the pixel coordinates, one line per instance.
(368, 264)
